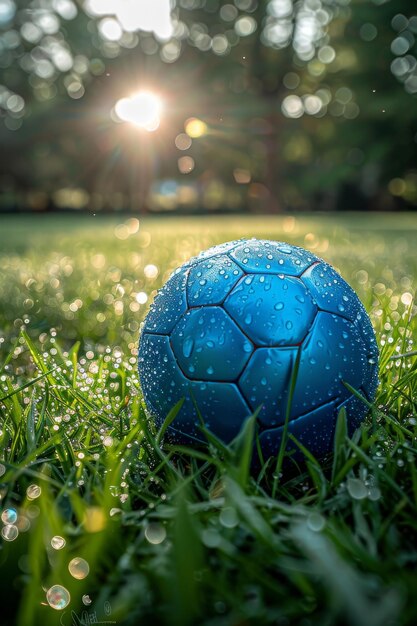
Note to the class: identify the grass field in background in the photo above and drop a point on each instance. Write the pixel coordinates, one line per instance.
(191, 537)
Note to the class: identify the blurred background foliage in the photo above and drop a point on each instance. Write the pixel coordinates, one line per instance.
(264, 106)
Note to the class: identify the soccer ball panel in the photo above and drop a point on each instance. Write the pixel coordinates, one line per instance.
(210, 280)
(169, 304)
(314, 430)
(222, 248)
(272, 257)
(163, 383)
(265, 382)
(332, 293)
(221, 406)
(209, 346)
(356, 410)
(332, 353)
(272, 310)
(222, 409)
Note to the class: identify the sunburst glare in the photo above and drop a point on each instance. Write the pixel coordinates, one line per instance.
(142, 109)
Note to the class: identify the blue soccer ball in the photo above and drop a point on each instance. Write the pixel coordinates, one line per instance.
(234, 328)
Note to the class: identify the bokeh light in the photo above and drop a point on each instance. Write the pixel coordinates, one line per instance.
(131, 15)
(195, 128)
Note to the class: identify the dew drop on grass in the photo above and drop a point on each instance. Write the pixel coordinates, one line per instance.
(86, 599)
(357, 489)
(58, 597)
(58, 542)
(78, 568)
(2, 469)
(374, 494)
(316, 522)
(33, 492)
(228, 517)
(9, 516)
(9, 532)
(211, 538)
(115, 511)
(155, 533)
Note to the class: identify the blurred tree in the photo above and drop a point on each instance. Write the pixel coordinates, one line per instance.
(307, 104)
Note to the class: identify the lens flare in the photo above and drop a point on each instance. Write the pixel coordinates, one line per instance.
(143, 110)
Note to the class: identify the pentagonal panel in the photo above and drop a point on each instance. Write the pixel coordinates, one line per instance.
(272, 310)
(209, 346)
(266, 381)
(272, 257)
(210, 280)
(332, 353)
(314, 430)
(220, 404)
(169, 305)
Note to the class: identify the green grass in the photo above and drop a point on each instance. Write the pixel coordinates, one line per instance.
(180, 536)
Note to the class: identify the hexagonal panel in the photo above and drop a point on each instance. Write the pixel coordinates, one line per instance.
(163, 385)
(169, 305)
(272, 310)
(333, 294)
(333, 352)
(210, 280)
(161, 380)
(209, 346)
(314, 430)
(273, 257)
(222, 407)
(266, 380)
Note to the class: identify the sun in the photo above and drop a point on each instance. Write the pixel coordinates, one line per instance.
(142, 109)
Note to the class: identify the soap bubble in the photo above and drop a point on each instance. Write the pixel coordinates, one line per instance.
(78, 568)
(33, 492)
(9, 516)
(9, 532)
(58, 597)
(58, 542)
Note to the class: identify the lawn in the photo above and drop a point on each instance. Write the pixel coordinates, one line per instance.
(191, 537)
